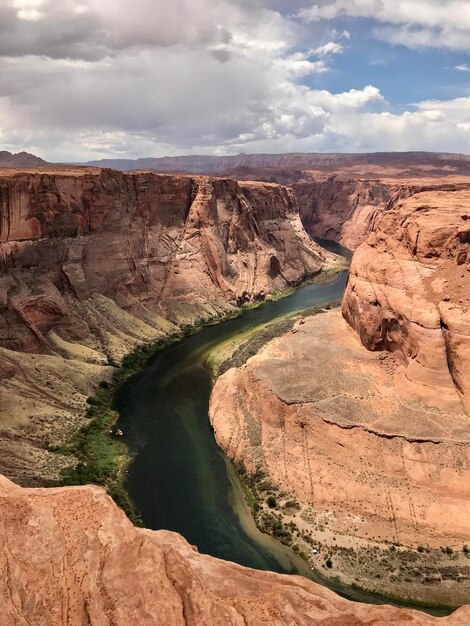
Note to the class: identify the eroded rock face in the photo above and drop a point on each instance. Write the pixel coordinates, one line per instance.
(326, 422)
(347, 209)
(94, 262)
(70, 557)
(178, 248)
(373, 440)
(409, 292)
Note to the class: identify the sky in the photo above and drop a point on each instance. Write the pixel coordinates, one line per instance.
(90, 79)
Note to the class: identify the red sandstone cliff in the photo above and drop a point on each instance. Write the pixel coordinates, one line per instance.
(70, 557)
(372, 441)
(409, 292)
(93, 262)
(347, 209)
(180, 248)
(339, 195)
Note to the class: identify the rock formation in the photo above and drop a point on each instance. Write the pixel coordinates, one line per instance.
(180, 248)
(434, 163)
(340, 196)
(93, 262)
(21, 159)
(364, 445)
(70, 556)
(347, 208)
(409, 292)
(373, 440)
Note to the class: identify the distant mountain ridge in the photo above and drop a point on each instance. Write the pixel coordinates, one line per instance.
(21, 159)
(323, 161)
(256, 166)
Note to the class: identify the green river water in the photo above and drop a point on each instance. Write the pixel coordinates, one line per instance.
(179, 479)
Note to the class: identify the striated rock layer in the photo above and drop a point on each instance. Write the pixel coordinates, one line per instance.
(93, 262)
(339, 195)
(409, 293)
(324, 419)
(343, 199)
(367, 426)
(347, 208)
(70, 556)
(180, 248)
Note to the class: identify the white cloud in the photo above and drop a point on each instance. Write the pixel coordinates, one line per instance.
(95, 78)
(331, 47)
(413, 23)
(298, 65)
(462, 68)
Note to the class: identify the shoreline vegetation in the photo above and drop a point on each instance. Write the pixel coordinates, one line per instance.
(100, 456)
(271, 508)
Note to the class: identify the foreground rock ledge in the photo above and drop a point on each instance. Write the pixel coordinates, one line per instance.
(70, 557)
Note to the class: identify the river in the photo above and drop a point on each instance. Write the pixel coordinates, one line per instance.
(179, 479)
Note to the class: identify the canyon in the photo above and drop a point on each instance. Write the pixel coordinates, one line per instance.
(94, 262)
(358, 418)
(315, 409)
(406, 162)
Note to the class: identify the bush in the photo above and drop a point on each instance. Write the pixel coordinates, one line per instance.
(329, 563)
(271, 502)
(292, 504)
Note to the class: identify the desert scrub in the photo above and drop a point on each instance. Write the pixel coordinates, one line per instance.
(259, 492)
(101, 457)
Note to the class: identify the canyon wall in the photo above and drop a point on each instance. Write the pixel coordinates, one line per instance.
(353, 463)
(340, 196)
(178, 248)
(70, 556)
(348, 209)
(93, 262)
(407, 162)
(409, 293)
(362, 422)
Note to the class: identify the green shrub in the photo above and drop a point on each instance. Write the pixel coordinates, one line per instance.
(271, 502)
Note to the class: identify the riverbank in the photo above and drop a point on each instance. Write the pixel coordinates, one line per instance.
(291, 419)
(100, 455)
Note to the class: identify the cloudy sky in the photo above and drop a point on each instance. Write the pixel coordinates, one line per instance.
(85, 79)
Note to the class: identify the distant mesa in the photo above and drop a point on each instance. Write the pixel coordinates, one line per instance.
(21, 159)
(429, 162)
(285, 168)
